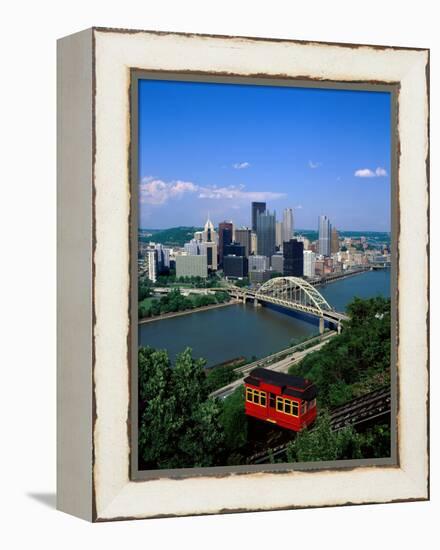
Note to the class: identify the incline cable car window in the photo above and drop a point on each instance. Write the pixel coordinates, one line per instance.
(256, 396)
(287, 406)
(294, 408)
(271, 400)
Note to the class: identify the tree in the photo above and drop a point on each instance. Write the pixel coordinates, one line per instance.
(220, 376)
(179, 426)
(233, 420)
(320, 443)
(356, 361)
(157, 411)
(242, 282)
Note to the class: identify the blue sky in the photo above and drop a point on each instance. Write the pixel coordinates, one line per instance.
(214, 148)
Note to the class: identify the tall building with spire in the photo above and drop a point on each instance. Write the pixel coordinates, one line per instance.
(208, 246)
(324, 236)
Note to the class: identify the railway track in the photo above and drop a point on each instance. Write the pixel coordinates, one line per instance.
(368, 407)
(372, 405)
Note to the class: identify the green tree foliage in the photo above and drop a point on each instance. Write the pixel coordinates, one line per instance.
(233, 420)
(358, 360)
(175, 301)
(242, 282)
(375, 442)
(220, 376)
(174, 236)
(321, 443)
(144, 289)
(179, 426)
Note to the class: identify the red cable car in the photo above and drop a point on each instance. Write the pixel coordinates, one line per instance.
(286, 400)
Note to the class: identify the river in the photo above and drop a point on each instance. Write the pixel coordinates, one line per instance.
(239, 330)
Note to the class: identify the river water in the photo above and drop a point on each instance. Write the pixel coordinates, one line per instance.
(240, 330)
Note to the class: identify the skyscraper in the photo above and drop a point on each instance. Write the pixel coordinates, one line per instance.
(234, 249)
(235, 266)
(266, 233)
(151, 264)
(209, 245)
(279, 234)
(287, 224)
(334, 241)
(225, 230)
(257, 208)
(258, 263)
(235, 263)
(253, 242)
(277, 263)
(309, 263)
(293, 252)
(244, 237)
(324, 232)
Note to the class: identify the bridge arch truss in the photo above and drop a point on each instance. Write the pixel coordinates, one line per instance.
(287, 291)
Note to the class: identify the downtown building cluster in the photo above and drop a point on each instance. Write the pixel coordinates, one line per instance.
(266, 249)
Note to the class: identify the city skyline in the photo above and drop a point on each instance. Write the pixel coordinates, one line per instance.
(214, 148)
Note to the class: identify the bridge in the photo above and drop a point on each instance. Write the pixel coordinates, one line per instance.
(292, 293)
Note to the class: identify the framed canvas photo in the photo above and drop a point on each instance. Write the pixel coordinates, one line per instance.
(242, 274)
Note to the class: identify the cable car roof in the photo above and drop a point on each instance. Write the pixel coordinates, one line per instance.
(294, 386)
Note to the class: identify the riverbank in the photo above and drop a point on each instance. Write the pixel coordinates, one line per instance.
(341, 276)
(185, 312)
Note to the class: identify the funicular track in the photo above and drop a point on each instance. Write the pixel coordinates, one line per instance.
(368, 407)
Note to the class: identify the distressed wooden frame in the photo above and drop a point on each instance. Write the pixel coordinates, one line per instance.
(95, 481)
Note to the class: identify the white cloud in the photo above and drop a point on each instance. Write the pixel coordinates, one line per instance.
(381, 171)
(367, 173)
(156, 191)
(241, 165)
(314, 164)
(237, 193)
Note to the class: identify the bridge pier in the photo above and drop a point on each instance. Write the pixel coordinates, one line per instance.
(339, 328)
(255, 302)
(244, 298)
(321, 325)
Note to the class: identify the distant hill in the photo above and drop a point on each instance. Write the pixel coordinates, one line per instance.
(178, 236)
(174, 236)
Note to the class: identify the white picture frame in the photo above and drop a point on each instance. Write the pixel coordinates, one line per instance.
(95, 479)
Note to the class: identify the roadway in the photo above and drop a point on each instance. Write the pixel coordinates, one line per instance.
(281, 365)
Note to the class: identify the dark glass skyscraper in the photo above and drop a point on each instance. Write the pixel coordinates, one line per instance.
(234, 249)
(235, 266)
(235, 263)
(225, 230)
(293, 252)
(266, 223)
(257, 208)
